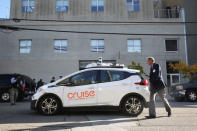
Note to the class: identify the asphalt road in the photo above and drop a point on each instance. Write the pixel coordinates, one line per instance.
(20, 117)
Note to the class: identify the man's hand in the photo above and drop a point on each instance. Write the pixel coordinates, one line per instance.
(147, 76)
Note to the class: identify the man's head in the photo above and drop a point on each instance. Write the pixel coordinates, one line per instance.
(150, 61)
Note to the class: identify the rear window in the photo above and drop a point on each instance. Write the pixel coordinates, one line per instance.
(5, 79)
(119, 75)
(193, 79)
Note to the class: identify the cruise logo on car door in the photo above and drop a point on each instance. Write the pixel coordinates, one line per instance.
(80, 95)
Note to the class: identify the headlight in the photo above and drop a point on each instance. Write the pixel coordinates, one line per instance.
(179, 87)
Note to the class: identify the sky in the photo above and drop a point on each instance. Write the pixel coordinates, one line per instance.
(4, 8)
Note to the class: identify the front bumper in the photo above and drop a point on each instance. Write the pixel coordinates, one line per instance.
(33, 104)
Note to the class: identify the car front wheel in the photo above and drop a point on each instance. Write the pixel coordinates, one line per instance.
(49, 105)
(5, 96)
(191, 95)
(132, 106)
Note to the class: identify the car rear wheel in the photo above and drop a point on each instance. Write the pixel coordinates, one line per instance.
(191, 95)
(5, 96)
(49, 105)
(132, 106)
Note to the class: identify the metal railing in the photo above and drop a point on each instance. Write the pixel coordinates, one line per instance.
(167, 13)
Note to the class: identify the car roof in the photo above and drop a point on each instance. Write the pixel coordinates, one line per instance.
(116, 69)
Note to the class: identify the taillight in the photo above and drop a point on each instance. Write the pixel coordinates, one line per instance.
(143, 82)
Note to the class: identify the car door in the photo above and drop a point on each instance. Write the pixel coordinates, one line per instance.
(111, 82)
(81, 89)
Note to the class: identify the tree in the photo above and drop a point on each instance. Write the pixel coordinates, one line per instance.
(136, 66)
(186, 70)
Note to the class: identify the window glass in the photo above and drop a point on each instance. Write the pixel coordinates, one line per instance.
(62, 5)
(133, 5)
(64, 82)
(119, 75)
(134, 46)
(97, 45)
(170, 70)
(171, 45)
(97, 5)
(60, 46)
(25, 46)
(84, 78)
(5, 79)
(28, 5)
(104, 76)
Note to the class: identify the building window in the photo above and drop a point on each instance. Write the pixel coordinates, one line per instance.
(173, 76)
(28, 6)
(60, 46)
(133, 5)
(62, 5)
(97, 45)
(134, 46)
(25, 46)
(97, 5)
(171, 45)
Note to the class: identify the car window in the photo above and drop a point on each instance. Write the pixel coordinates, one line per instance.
(64, 82)
(193, 79)
(5, 79)
(119, 75)
(104, 77)
(84, 78)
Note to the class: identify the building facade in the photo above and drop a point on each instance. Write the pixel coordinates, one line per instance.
(190, 9)
(119, 31)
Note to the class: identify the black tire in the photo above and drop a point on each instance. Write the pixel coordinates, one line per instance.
(49, 105)
(5, 96)
(132, 106)
(191, 95)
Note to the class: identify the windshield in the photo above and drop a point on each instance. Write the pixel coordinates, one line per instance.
(193, 79)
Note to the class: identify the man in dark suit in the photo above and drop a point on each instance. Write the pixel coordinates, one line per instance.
(157, 86)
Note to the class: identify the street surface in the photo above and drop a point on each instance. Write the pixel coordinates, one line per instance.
(20, 117)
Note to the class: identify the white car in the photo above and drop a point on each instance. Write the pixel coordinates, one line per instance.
(123, 88)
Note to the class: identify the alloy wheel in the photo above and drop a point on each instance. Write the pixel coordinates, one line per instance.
(49, 106)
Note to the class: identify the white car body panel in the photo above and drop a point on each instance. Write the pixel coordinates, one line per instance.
(109, 93)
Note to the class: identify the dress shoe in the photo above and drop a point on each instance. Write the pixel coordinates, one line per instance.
(169, 114)
(150, 117)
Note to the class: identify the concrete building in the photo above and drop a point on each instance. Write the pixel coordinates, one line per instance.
(191, 28)
(43, 54)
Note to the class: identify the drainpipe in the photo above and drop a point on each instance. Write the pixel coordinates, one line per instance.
(185, 37)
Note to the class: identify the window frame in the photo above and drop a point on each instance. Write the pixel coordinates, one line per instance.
(60, 50)
(133, 6)
(25, 46)
(97, 46)
(177, 45)
(66, 7)
(96, 82)
(108, 74)
(134, 50)
(26, 9)
(97, 6)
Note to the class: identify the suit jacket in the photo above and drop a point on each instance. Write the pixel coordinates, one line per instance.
(156, 79)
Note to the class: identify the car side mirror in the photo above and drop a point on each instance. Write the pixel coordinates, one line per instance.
(65, 84)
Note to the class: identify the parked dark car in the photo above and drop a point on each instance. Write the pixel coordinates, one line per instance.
(5, 85)
(186, 91)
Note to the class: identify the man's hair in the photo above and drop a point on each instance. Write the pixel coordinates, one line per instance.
(151, 59)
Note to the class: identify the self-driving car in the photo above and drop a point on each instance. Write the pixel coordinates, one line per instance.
(94, 87)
